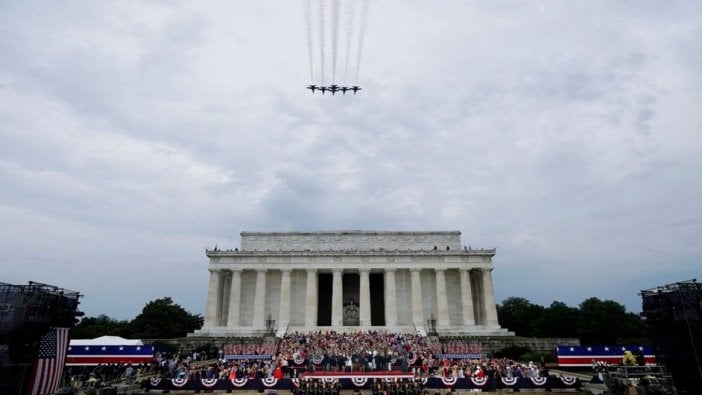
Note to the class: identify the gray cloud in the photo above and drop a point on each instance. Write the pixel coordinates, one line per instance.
(564, 133)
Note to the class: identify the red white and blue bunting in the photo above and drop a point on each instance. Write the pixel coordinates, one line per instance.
(479, 381)
(568, 380)
(179, 382)
(449, 381)
(350, 381)
(209, 383)
(269, 382)
(539, 381)
(239, 382)
(317, 359)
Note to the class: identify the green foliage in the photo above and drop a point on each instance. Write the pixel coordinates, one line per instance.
(163, 319)
(606, 321)
(512, 352)
(558, 320)
(160, 319)
(595, 321)
(102, 325)
(520, 315)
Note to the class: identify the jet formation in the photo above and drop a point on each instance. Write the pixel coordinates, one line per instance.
(333, 88)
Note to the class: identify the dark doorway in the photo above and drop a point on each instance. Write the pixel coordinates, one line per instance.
(351, 284)
(377, 301)
(324, 299)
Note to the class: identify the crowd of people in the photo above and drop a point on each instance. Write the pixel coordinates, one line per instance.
(355, 351)
(249, 346)
(383, 351)
(299, 353)
(104, 373)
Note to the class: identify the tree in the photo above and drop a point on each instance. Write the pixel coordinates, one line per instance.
(163, 319)
(102, 325)
(559, 320)
(519, 315)
(606, 321)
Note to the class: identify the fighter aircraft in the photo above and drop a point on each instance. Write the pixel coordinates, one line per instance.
(355, 89)
(333, 88)
(323, 89)
(312, 88)
(344, 89)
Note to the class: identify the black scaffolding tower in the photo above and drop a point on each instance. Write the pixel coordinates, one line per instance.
(673, 315)
(27, 312)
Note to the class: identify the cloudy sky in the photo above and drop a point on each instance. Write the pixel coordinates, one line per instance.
(565, 133)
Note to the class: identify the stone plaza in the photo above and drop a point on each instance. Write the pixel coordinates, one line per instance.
(407, 282)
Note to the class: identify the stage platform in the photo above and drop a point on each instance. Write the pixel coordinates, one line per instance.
(357, 381)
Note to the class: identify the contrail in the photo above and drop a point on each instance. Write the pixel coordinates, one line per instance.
(361, 34)
(350, 16)
(308, 27)
(321, 37)
(334, 35)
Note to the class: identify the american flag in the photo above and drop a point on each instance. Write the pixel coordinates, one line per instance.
(46, 374)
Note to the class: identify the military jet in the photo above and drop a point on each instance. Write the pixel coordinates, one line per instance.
(355, 89)
(344, 89)
(333, 88)
(312, 88)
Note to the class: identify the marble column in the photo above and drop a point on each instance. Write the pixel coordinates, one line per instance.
(337, 316)
(390, 298)
(417, 308)
(478, 296)
(212, 308)
(284, 314)
(311, 299)
(467, 297)
(259, 316)
(364, 303)
(234, 299)
(442, 312)
(489, 297)
(224, 285)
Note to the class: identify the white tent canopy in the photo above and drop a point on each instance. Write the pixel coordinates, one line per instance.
(107, 341)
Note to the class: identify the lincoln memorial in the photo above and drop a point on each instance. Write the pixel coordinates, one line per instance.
(409, 282)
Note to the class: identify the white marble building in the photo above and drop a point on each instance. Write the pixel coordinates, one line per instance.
(351, 280)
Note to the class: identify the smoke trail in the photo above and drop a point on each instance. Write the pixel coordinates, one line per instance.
(350, 16)
(334, 35)
(321, 37)
(361, 34)
(308, 27)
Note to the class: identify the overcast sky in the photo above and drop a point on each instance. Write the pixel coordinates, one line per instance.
(566, 133)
